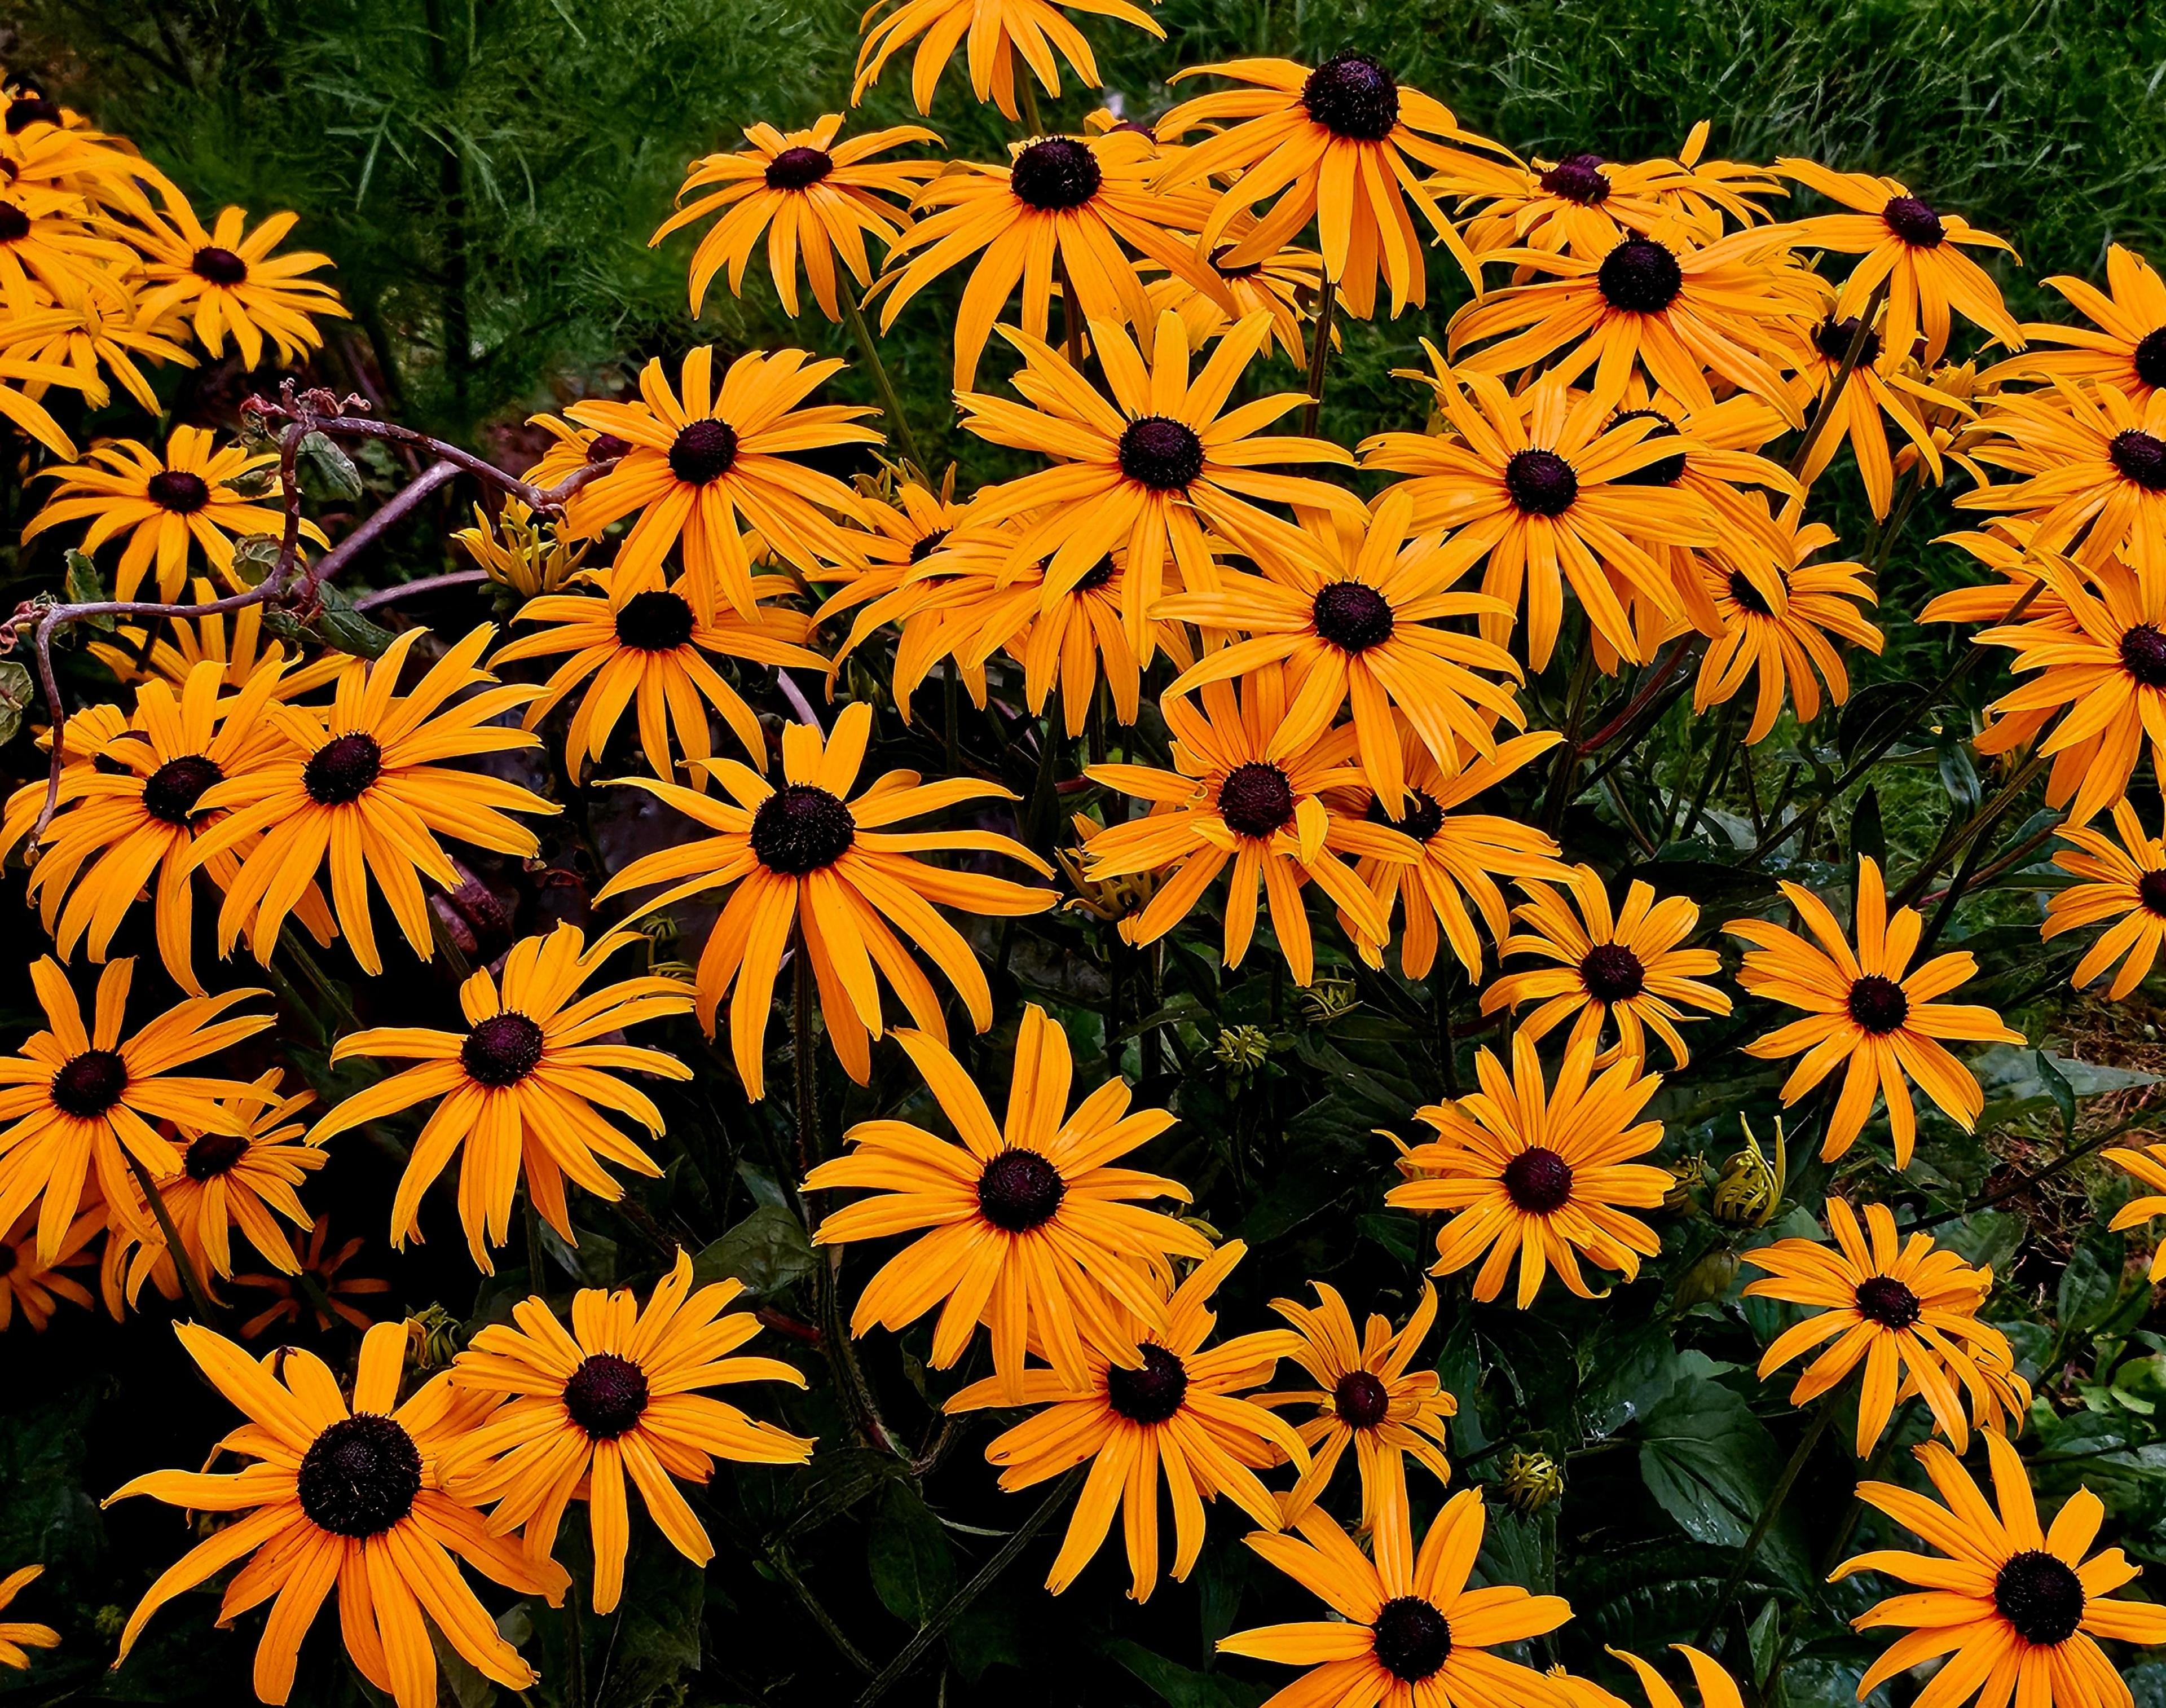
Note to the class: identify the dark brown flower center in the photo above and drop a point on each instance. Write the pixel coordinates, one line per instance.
(221, 266)
(655, 621)
(360, 1476)
(2040, 1596)
(1352, 616)
(1913, 222)
(1538, 1181)
(1423, 817)
(1746, 596)
(1670, 470)
(2143, 654)
(798, 168)
(1639, 277)
(2140, 456)
(26, 110)
(171, 792)
(1541, 483)
(1879, 1004)
(1151, 1393)
(14, 223)
(501, 1050)
(2151, 891)
(1256, 799)
(1360, 1399)
(177, 490)
(341, 771)
(1096, 576)
(1578, 177)
(215, 1154)
(2149, 358)
(606, 1395)
(799, 828)
(1831, 338)
(1882, 1299)
(1413, 1640)
(1612, 973)
(705, 450)
(607, 447)
(1162, 454)
(1055, 174)
(1351, 96)
(920, 550)
(1020, 1190)
(90, 1084)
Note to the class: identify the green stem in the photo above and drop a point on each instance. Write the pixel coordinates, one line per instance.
(1824, 417)
(199, 1296)
(890, 402)
(1313, 411)
(1971, 832)
(1568, 758)
(1715, 768)
(1026, 95)
(812, 1604)
(289, 939)
(575, 1650)
(1038, 816)
(1770, 1510)
(935, 1627)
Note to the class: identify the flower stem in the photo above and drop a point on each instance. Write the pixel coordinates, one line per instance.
(1770, 1510)
(890, 402)
(1824, 417)
(1313, 412)
(1025, 93)
(1568, 758)
(199, 1295)
(290, 940)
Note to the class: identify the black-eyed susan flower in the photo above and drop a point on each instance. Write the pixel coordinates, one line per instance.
(1406, 1630)
(643, 642)
(571, 450)
(16, 1636)
(1540, 1175)
(707, 462)
(1281, 285)
(1917, 249)
(514, 551)
(2125, 344)
(2093, 463)
(362, 789)
(351, 1497)
(1007, 40)
(1583, 204)
(1773, 620)
(80, 1102)
(171, 649)
(2018, 1607)
(93, 338)
(2094, 646)
(227, 280)
(2147, 1167)
(48, 244)
(1539, 484)
(34, 1289)
(1068, 207)
(1033, 1230)
(163, 506)
(129, 812)
(321, 1293)
(614, 1396)
(516, 1092)
(1683, 314)
(1341, 145)
(1240, 795)
(1627, 969)
(1364, 1397)
(1463, 854)
(1153, 467)
(2120, 885)
(248, 1177)
(18, 377)
(1372, 630)
(1870, 1008)
(938, 603)
(814, 199)
(1906, 1310)
(909, 522)
(810, 859)
(1877, 395)
(1180, 1413)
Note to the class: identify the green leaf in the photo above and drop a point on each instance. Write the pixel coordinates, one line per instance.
(2091, 1286)
(1868, 840)
(254, 557)
(85, 586)
(1178, 1686)
(912, 1566)
(2062, 1093)
(989, 1632)
(1710, 1463)
(1873, 712)
(1958, 775)
(342, 629)
(326, 472)
(767, 1251)
(18, 687)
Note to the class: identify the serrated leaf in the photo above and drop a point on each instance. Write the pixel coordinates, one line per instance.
(255, 556)
(325, 471)
(340, 626)
(17, 688)
(767, 1251)
(85, 586)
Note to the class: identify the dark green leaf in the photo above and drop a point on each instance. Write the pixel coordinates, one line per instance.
(1873, 712)
(1868, 841)
(1710, 1463)
(340, 626)
(1177, 1686)
(254, 557)
(17, 689)
(326, 472)
(1958, 775)
(85, 586)
(912, 1566)
(767, 1251)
